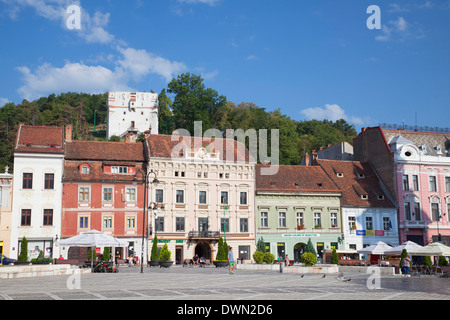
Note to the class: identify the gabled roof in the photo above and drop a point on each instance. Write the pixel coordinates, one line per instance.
(295, 178)
(162, 146)
(105, 151)
(358, 183)
(39, 139)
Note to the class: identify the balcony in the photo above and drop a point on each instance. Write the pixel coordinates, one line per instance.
(203, 235)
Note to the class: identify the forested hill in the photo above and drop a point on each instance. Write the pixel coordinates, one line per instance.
(185, 100)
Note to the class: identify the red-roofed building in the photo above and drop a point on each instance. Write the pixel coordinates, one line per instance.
(297, 204)
(37, 191)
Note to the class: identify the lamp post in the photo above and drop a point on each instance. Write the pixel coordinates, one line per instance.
(146, 180)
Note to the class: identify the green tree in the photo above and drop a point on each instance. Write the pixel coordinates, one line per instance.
(154, 256)
(106, 254)
(310, 248)
(23, 256)
(166, 121)
(261, 246)
(164, 254)
(334, 257)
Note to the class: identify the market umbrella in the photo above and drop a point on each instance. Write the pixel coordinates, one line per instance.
(408, 245)
(433, 249)
(378, 248)
(92, 238)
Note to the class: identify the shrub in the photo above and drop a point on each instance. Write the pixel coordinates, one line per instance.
(154, 255)
(165, 254)
(427, 261)
(258, 256)
(269, 258)
(23, 256)
(92, 254)
(261, 246)
(107, 254)
(309, 259)
(334, 257)
(442, 261)
(309, 247)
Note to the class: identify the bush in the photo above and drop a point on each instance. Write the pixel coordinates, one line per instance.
(23, 256)
(258, 256)
(334, 257)
(269, 258)
(442, 261)
(165, 254)
(427, 261)
(222, 251)
(154, 255)
(107, 254)
(309, 259)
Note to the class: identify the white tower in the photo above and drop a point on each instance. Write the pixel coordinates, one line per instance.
(132, 111)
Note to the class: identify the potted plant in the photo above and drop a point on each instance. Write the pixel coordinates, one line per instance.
(154, 257)
(23, 256)
(222, 254)
(334, 257)
(164, 257)
(300, 227)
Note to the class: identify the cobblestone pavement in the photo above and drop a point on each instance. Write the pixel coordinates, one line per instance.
(178, 283)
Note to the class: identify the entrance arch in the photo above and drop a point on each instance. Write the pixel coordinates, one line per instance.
(298, 251)
(203, 249)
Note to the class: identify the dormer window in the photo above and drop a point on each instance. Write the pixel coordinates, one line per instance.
(119, 170)
(381, 197)
(28, 145)
(52, 146)
(84, 169)
(423, 148)
(438, 149)
(364, 197)
(360, 175)
(340, 174)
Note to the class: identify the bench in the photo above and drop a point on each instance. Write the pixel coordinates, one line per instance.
(67, 261)
(207, 263)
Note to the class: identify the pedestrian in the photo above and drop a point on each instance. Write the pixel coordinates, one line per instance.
(231, 262)
(287, 262)
(406, 263)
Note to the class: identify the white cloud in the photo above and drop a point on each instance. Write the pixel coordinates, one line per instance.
(332, 112)
(400, 29)
(3, 101)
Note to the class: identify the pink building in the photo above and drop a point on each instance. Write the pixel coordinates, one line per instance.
(415, 168)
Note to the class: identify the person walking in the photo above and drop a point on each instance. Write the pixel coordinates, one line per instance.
(231, 262)
(406, 263)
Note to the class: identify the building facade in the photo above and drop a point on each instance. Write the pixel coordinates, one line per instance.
(6, 185)
(204, 191)
(415, 167)
(131, 112)
(298, 204)
(103, 190)
(37, 190)
(368, 214)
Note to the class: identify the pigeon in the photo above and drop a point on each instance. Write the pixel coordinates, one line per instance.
(302, 276)
(347, 280)
(324, 276)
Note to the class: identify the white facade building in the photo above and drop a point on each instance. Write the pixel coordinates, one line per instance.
(37, 190)
(132, 111)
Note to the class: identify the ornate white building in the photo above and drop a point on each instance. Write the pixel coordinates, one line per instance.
(132, 111)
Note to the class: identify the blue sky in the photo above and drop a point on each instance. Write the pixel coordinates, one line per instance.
(312, 59)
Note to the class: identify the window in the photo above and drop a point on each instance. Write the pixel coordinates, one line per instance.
(130, 195)
(417, 214)
(131, 222)
(180, 196)
(179, 224)
(107, 222)
(224, 197)
(432, 180)
(49, 181)
(203, 224)
(243, 225)
(202, 197)
(415, 183)
(243, 198)
(447, 184)
(159, 195)
(84, 194)
(282, 219)
(300, 220)
(107, 194)
(159, 224)
(435, 212)
(408, 211)
(224, 225)
(119, 170)
(405, 182)
(84, 223)
(351, 223)
(264, 220)
(317, 220)
(48, 217)
(333, 219)
(369, 223)
(84, 170)
(386, 223)
(26, 218)
(27, 182)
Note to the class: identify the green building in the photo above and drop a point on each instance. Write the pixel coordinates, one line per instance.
(294, 205)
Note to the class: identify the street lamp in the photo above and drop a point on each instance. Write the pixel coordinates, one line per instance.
(439, 234)
(146, 180)
(153, 206)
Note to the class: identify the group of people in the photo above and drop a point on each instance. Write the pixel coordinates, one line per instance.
(201, 261)
(196, 260)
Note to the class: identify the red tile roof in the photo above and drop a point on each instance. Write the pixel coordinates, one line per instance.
(96, 173)
(295, 178)
(356, 179)
(105, 151)
(161, 146)
(38, 139)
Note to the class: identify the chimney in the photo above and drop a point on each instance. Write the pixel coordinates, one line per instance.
(130, 137)
(69, 132)
(307, 159)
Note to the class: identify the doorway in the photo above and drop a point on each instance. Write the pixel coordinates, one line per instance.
(203, 249)
(299, 248)
(178, 255)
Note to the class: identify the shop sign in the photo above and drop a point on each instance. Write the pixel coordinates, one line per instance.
(288, 235)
